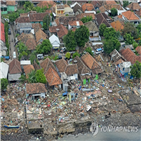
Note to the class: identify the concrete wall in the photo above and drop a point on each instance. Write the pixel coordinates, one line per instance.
(14, 77)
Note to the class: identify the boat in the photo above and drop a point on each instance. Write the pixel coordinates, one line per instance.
(8, 126)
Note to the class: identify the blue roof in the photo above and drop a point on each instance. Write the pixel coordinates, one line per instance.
(99, 49)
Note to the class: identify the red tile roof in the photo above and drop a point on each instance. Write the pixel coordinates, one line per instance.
(46, 64)
(71, 69)
(40, 35)
(31, 44)
(61, 65)
(110, 2)
(134, 6)
(90, 62)
(46, 3)
(74, 23)
(138, 49)
(130, 15)
(87, 7)
(2, 37)
(117, 25)
(28, 69)
(53, 77)
(60, 30)
(130, 55)
(12, 2)
(15, 67)
(35, 88)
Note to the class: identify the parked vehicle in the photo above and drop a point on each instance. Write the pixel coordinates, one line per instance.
(14, 54)
(6, 57)
(9, 32)
(63, 49)
(40, 56)
(99, 50)
(59, 57)
(7, 20)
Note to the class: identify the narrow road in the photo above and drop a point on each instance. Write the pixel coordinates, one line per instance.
(11, 41)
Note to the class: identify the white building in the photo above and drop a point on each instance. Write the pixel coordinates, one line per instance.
(54, 40)
(3, 70)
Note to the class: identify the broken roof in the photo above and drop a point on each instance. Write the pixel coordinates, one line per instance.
(91, 26)
(46, 64)
(90, 62)
(48, 4)
(87, 7)
(60, 30)
(71, 69)
(75, 23)
(15, 67)
(53, 77)
(40, 35)
(12, 2)
(82, 68)
(80, 16)
(138, 49)
(35, 88)
(61, 65)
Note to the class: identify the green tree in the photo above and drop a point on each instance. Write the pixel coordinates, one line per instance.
(1, 60)
(82, 36)
(22, 50)
(128, 39)
(86, 19)
(136, 70)
(45, 47)
(21, 3)
(75, 54)
(68, 55)
(129, 28)
(46, 22)
(102, 29)
(114, 12)
(110, 45)
(40, 77)
(13, 16)
(125, 3)
(28, 5)
(139, 42)
(32, 77)
(135, 44)
(69, 41)
(4, 83)
(139, 27)
(109, 33)
(89, 50)
(97, 12)
(23, 78)
(32, 57)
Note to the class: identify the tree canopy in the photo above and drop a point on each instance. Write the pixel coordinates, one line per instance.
(40, 77)
(89, 50)
(68, 55)
(45, 47)
(139, 27)
(37, 76)
(102, 29)
(82, 36)
(128, 39)
(46, 22)
(28, 5)
(109, 33)
(110, 45)
(75, 54)
(129, 28)
(70, 41)
(22, 50)
(135, 44)
(4, 83)
(114, 12)
(136, 70)
(86, 19)
(125, 3)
